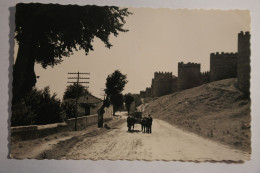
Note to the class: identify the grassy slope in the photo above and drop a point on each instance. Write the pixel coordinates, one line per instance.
(215, 110)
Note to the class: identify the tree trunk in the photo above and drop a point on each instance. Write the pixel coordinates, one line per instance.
(114, 110)
(24, 77)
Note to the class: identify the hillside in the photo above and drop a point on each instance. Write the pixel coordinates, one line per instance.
(215, 110)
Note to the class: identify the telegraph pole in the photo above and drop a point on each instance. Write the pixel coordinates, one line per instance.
(77, 93)
(102, 92)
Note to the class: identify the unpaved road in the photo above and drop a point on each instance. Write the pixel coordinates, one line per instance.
(165, 143)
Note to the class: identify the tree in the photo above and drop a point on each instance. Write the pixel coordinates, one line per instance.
(71, 91)
(114, 86)
(69, 96)
(128, 100)
(47, 32)
(37, 107)
(115, 83)
(69, 107)
(117, 100)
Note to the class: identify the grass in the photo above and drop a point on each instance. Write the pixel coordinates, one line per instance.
(215, 110)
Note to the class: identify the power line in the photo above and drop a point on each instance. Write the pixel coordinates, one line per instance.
(77, 95)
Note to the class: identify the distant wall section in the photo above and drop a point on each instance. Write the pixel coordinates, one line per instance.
(223, 66)
(161, 84)
(188, 75)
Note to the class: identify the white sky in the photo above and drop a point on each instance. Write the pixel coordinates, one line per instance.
(157, 40)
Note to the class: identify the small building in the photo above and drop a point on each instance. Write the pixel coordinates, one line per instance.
(89, 105)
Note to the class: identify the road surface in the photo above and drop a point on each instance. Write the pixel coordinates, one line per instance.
(165, 143)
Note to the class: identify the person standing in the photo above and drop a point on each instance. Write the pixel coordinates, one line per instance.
(143, 124)
(100, 112)
(150, 121)
(128, 120)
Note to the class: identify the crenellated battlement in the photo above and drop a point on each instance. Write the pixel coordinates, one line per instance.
(188, 75)
(162, 75)
(205, 73)
(189, 64)
(247, 33)
(223, 65)
(224, 54)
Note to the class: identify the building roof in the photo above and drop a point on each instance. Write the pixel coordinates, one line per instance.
(89, 99)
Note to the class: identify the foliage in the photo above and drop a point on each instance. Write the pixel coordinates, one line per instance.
(71, 91)
(128, 100)
(115, 83)
(59, 29)
(46, 33)
(22, 114)
(117, 101)
(114, 86)
(69, 107)
(37, 107)
(69, 97)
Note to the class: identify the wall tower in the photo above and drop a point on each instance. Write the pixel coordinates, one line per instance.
(223, 66)
(188, 75)
(243, 65)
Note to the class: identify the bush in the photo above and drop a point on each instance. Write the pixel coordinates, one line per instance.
(69, 107)
(37, 107)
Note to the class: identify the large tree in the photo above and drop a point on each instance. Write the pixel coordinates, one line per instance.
(114, 86)
(47, 32)
(115, 83)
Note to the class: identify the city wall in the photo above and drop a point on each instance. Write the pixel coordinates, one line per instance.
(188, 75)
(243, 66)
(223, 66)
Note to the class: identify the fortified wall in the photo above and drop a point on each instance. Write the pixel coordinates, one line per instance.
(146, 93)
(188, 75)
(204, 77)
(243, 62)
(162, 84)
(223, 66)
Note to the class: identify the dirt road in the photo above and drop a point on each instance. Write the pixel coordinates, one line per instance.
(165, 143)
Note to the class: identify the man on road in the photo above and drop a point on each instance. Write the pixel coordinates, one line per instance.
(128, 120)
(149, 122)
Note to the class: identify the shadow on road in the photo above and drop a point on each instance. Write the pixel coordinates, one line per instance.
(134, 131)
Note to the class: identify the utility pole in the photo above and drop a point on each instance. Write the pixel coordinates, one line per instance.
(77, 93)
(102, 92)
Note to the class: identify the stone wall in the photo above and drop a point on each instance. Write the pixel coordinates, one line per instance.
(204, 77)
(163, 83)
(174, 84)
(223, 66)
(38, 131)
(243, 64)
(188, 75)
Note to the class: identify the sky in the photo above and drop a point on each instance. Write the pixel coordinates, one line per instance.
(156, 41)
